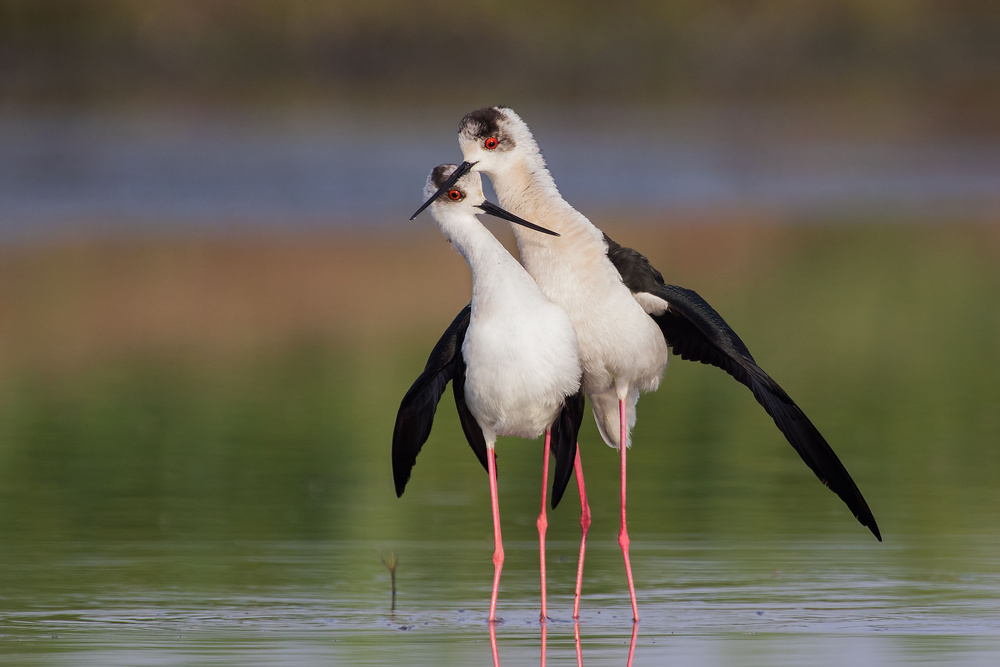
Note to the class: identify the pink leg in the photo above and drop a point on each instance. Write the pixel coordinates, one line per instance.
(543, 522)
(579, 647)
(584, 524)
(544, 642)
(493, 645)
(623, 540)
(498, 550)
(631, 645)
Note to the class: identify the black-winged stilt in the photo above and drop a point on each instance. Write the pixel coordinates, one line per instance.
(624, 314)
(511, 355)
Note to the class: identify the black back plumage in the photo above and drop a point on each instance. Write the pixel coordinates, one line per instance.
(695, 331)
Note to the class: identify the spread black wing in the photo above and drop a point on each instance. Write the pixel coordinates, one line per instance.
(416, 411)
(696, 332)
(565, 431)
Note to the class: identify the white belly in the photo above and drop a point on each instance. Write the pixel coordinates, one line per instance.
(520, 369)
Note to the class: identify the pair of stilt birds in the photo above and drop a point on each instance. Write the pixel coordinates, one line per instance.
(580, 315)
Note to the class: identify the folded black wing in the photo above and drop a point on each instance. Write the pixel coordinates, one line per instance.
(696, 332)
(416, 411)
(565, 431)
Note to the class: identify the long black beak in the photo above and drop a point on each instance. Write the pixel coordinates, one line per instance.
(494, 210)
(460, 171)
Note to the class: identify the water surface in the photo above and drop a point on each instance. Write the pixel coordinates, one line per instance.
(701, 603)
(164, 506)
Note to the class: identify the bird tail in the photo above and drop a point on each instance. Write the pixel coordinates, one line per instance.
(605, 407)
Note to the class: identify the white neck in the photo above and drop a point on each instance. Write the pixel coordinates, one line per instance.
(528, 190)
(493, 268)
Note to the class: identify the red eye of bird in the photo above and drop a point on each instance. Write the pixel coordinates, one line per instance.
(491, 143)
(454, 195)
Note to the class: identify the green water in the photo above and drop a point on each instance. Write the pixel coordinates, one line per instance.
(156, 510)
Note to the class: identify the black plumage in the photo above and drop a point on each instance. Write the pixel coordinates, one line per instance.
(416, 411)
(695, 331)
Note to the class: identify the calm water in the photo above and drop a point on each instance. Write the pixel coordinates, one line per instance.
(320, 602)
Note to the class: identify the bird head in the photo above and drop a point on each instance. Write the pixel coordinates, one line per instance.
(493, 139)
(451, 188)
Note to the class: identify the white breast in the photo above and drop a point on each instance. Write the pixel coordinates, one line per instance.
(522, 362)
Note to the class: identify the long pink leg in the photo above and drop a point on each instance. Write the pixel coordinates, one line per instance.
(584, 524)
(623, 540)
(498, 550)
(543, 522)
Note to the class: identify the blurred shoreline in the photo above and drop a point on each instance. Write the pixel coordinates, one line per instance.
(70, 305)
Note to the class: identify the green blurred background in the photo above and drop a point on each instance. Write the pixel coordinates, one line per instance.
(211, 301)
(940, 55)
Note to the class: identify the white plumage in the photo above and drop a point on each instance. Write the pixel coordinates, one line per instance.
(521, 360)
(621, 349)
(520, 350)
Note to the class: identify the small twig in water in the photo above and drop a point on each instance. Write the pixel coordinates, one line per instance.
(390, 564)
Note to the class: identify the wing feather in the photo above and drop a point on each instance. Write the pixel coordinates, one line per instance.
(696, 332)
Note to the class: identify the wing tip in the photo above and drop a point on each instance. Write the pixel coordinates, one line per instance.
(872, 526)
(557, 494)
(399, 480)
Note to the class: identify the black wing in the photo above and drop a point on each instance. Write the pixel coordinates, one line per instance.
(416, 411)
(565, 431)
(696, 332)
(473, 431)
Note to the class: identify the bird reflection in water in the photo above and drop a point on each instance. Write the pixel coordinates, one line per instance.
(576, 640)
